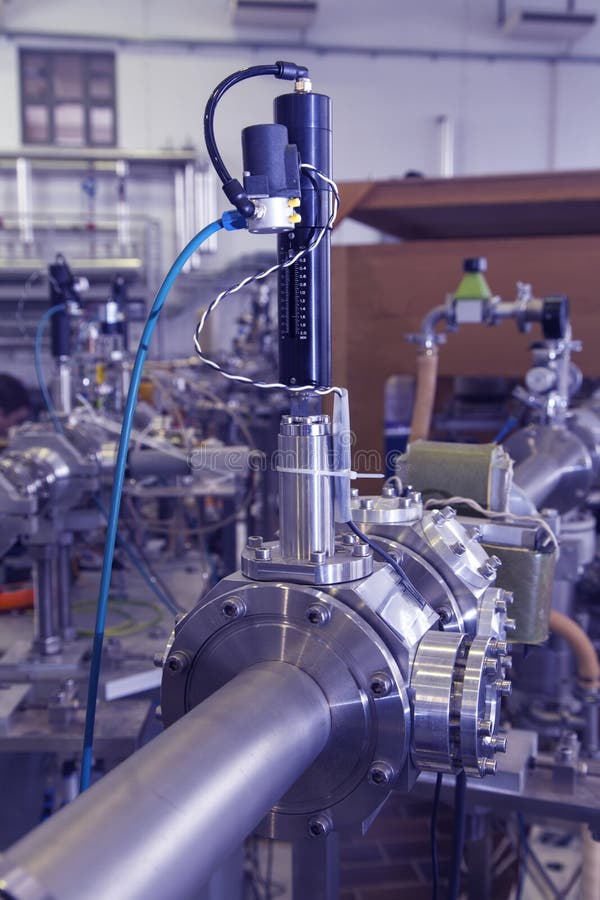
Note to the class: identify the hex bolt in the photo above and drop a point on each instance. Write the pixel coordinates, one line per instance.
(263, 553)
(415, 496)
(458, 548)
(503, 686)
(366, 503)
(499, 743)
(488, 571)
(361, 550)
(177, 662)
(354, 493)
(488, 766)
(318, 556)
(404, 503)
(495, 562)
(158, 660)
(490, 665)
(500, 605)
(484, 726)
(445, 614)
(318, 614)
(233, 608)
(349, 539)
(380, 684)
(499, 647)
(510, 624)
(254, 541)
(475, 533)
(449, 512)
(319, 826)
(380, 773)
(506, 661)
(438, 517)
(388, 491)
(508, 597)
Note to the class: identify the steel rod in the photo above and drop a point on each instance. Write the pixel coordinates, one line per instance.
(159, 824)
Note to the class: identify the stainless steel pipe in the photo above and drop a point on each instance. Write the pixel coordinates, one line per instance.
(306, 497)
(158, 824)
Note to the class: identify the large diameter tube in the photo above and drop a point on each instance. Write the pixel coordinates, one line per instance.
(159, 824)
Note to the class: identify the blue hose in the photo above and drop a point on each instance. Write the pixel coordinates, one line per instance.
(230, 221)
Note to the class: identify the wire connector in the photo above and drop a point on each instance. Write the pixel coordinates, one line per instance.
(233, 220)
(289, 71)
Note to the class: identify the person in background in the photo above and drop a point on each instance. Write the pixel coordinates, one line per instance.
(15, 405)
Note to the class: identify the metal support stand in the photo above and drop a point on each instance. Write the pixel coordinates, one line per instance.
(65, 613)
(46, 639)
(315, 868)
(478, 852)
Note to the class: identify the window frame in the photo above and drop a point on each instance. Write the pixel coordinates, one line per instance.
(51, 101)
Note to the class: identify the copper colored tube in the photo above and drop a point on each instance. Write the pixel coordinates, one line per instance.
(588, 666)
(427, 369)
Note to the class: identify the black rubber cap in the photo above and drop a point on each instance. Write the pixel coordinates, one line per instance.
(555, 317)
(475, 264)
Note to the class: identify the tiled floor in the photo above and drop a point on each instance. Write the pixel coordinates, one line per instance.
(392, 862)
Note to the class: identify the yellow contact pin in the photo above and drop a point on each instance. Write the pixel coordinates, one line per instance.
(294, 218)
(294, 202)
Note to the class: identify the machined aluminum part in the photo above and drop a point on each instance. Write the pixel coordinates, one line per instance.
(387, 510)
(348, 562)
(457, 684)
(306, 489)
(240, 624)
(435, 683)
(444, 561)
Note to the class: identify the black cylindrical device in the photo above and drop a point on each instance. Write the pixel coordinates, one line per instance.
(305, 287)
(62, 289)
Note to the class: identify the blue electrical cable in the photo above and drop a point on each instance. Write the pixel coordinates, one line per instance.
(37, 358)
(508, 426)
(230, 221)
(144, 569)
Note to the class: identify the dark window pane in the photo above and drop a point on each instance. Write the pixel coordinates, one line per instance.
(35, 76)
(100, 88)
(69, 125)
(102, 125)
(68, 77)
(68, 98)
(36, 124)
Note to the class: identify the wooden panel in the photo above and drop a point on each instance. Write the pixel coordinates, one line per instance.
(556, 203)
(381, 292)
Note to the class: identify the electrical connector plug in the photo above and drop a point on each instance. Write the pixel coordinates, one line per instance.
(233, 220)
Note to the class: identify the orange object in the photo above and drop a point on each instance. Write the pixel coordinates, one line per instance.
(19, 597)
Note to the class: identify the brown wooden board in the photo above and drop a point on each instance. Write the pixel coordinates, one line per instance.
(382, 291)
